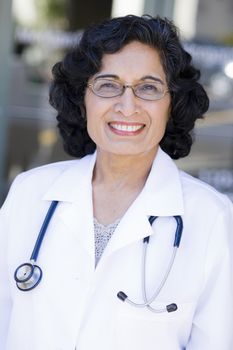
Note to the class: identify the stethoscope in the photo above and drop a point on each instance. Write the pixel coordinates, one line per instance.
(29, 275)
(148, 301)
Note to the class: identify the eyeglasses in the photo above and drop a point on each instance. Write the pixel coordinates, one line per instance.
(108, 88)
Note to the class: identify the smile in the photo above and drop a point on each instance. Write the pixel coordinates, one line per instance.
(126, 128)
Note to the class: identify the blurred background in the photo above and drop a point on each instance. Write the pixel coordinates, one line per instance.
(34, 34)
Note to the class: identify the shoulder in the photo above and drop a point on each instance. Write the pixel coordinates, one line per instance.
(37, 181)
(201, 195)
(208, 214)
(43, 174)
(49, 172)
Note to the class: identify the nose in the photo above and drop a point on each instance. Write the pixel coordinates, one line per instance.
(127, 104)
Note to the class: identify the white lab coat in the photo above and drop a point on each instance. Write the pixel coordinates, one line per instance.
(76, 304)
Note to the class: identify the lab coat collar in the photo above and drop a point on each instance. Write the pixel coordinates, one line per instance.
(73, 189)
(73, 182)
(162, 193)
(161, 196)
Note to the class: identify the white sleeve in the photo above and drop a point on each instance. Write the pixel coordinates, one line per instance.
(213, 321)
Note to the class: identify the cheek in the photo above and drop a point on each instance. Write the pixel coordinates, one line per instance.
(161, 115)
(90, 117)
(167, 112)
(95, 115)
(92, 125)
(91, 112)
(96, 107)
(159, 122)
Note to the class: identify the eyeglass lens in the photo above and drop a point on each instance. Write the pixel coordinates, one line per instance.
(112, 88)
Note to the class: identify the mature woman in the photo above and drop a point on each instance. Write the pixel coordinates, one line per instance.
(135, 254)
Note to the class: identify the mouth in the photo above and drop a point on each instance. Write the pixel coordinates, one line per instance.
(123, 128)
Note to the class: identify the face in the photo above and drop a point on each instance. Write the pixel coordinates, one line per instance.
(126, 124)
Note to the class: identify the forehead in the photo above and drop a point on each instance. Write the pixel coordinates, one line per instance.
(133, 61)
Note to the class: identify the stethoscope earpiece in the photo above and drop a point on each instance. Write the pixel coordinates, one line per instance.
(27, 276)
(171, 307)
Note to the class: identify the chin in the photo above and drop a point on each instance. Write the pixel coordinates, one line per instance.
(127, 151)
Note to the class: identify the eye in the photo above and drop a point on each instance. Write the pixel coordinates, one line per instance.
(106, 85)
(148, 87)
(148, 90)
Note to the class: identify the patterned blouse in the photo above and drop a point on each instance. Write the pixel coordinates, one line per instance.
(102, 236)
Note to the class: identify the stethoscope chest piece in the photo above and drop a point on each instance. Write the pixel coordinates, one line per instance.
(27, 276)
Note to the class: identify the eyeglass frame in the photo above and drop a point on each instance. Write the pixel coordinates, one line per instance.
(124, 87)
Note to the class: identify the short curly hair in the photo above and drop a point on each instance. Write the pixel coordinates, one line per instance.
(188, 98)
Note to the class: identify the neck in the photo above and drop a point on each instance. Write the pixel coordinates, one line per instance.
(121, 171)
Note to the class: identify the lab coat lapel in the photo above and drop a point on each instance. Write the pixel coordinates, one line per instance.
(74, 229)
(73, 189)
(161, 196)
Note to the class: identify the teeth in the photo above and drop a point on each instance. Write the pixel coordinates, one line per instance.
(124, 127)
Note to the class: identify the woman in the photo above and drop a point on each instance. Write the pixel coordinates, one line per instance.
(127, 99)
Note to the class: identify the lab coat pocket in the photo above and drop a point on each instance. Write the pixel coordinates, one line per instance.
(139, 328)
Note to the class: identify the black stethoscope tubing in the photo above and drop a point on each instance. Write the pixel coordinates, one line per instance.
(29, 275)
(43, 230)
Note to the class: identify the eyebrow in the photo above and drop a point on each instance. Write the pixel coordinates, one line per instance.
(114, 76)
(152, 78)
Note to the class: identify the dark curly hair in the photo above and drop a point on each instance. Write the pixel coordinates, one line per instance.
(188, 98)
